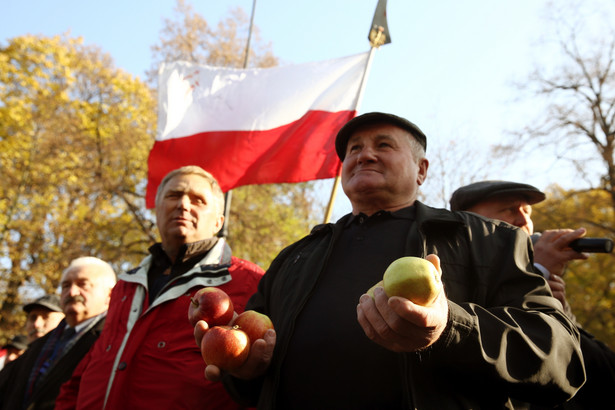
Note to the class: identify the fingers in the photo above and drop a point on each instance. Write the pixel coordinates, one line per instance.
(561, 238)
(435, 260)
(374, 326)
(400, 325)
(259, 358)
(367, 313)
(213, 373)
(200, 329)
(257, 362)
(557, 282)
(371, 315)
(428, 322)
(565, 240)
(552, 250)
(558, 288)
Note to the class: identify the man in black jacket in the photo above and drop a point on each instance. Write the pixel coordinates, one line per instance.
(43, 315)
(512, 202)
(479, 345)
(33, 381)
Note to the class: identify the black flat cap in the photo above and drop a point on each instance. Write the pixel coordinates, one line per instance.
(19, 342)
(51, 302)
(351, 126)
(469, 195)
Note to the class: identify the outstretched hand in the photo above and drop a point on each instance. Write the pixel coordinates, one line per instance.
(400, 325)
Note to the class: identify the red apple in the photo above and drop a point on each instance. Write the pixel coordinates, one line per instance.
(255, 324)
(212, 305)
(225, 346)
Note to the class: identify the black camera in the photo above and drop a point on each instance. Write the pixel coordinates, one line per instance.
(588, 245)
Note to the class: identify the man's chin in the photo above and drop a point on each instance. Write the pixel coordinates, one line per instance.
(363, 187)
(180, 233)
(73, 310)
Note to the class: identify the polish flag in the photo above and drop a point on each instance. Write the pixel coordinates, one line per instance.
(254, 126)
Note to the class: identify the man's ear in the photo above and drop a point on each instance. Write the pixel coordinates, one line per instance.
(422, 174)
(219, 224)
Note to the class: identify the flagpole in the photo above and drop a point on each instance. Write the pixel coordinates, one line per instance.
(336, 181)
(229, 194)
(378, 35)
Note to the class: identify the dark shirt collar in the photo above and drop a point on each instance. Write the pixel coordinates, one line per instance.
(186, 251)
(403, 213)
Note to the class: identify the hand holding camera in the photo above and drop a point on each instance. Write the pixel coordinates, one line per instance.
(587, 245)
(552, 249)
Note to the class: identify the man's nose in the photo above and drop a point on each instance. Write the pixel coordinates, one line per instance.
(522, 219)
(74, 290)
(184, 202)
(39, 322)
(366, 154)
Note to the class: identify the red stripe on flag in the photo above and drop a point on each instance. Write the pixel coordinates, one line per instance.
(301, 151)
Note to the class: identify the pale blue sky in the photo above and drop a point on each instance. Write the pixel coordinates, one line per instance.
(449, 67)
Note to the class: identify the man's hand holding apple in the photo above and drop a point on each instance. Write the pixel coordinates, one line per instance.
(400, 325)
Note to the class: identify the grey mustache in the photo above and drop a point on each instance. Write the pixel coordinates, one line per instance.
(74, 299)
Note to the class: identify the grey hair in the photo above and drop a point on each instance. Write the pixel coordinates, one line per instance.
(194, 170)
(418, 152)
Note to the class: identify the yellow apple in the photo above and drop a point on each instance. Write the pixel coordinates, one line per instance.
(413, 278)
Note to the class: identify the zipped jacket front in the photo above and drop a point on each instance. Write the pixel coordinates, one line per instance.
(146, 356)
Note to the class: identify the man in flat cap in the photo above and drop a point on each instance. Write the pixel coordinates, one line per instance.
(334, 346)
(512, 202)
(44, 314)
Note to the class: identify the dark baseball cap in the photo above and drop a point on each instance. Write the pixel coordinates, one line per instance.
(469, 195)
(51, 302)
(19, 342)
(341, 140)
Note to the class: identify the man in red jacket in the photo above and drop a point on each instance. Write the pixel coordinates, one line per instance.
(146, 356)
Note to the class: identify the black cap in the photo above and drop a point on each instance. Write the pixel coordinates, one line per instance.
(51, 302)
(19, 342)
(344, 134)
(469, 195)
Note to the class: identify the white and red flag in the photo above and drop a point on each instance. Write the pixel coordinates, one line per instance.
(254, 126)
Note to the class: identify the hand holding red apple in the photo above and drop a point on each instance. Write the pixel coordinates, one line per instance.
(259, 356)
(226, 347)
(240, 344)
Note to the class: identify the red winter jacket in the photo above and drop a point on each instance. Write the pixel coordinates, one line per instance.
(146, 356)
